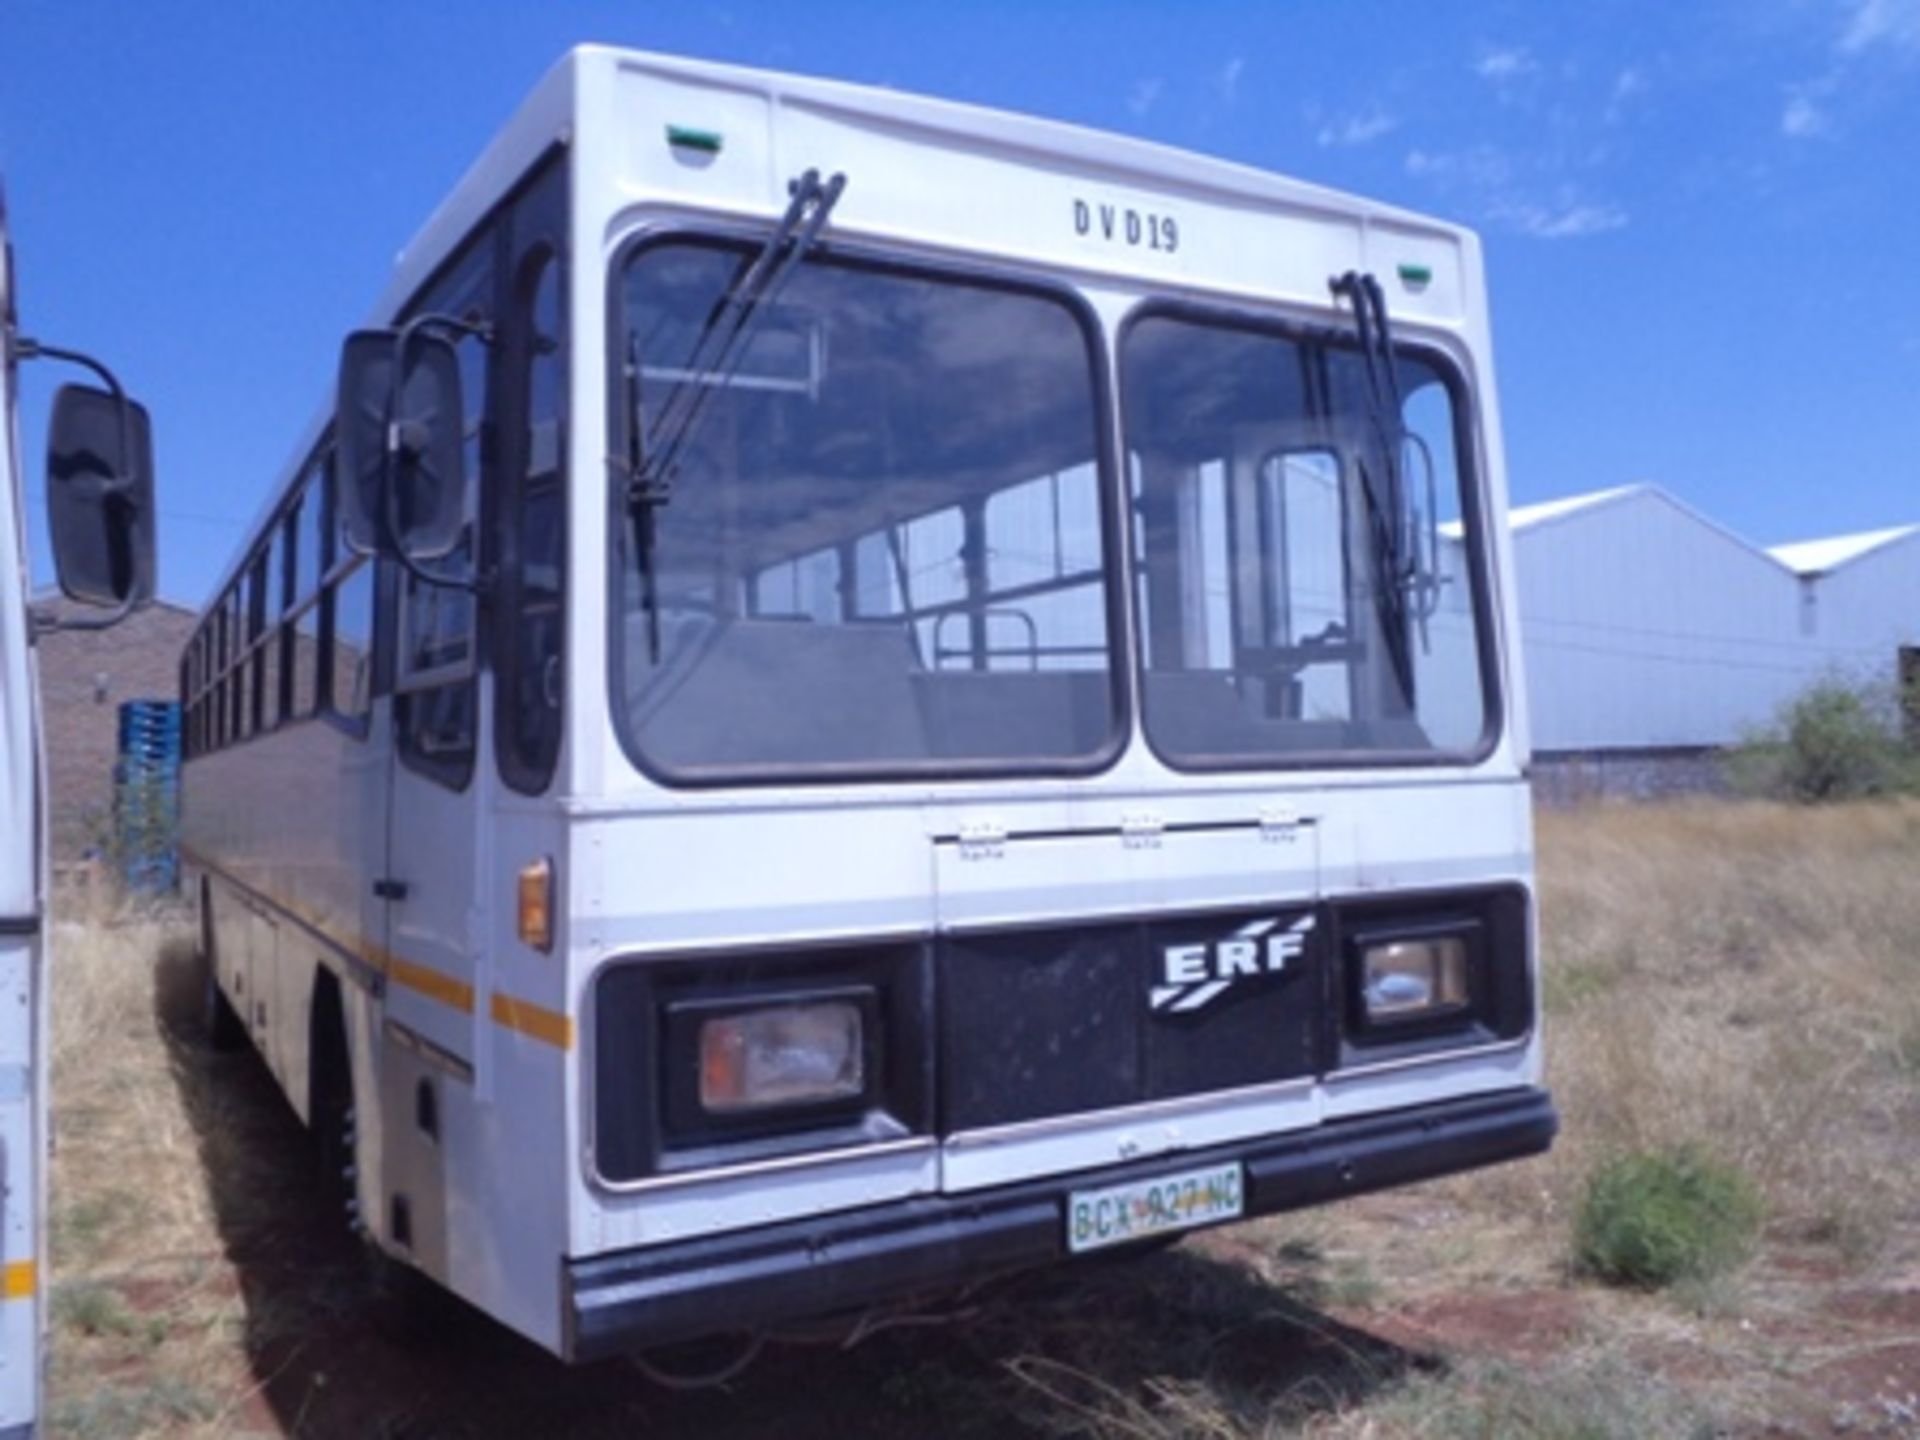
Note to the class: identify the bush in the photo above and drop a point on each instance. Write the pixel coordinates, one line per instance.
(1832, 741)
(1650, 1219)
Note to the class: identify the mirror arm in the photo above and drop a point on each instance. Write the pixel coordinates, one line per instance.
(45, 622)
(23, 347)
(477, 586)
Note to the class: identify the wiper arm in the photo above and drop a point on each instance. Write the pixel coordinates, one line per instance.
(640, 507)
(1388, 524)
(722, 342)
(653, 452)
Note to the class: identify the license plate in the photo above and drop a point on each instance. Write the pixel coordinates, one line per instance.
(1146, 1208)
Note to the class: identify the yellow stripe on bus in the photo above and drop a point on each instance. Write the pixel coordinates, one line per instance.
(524, 1016)
(535, 1020)
(434, 984)
(22, 1278)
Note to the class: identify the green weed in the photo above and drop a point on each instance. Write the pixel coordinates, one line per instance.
(1651, 1219)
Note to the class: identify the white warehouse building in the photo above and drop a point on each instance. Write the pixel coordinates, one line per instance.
(1653, 636)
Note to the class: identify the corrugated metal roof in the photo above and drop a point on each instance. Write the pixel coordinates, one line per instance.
(1522, 516)
(1804, 557)
(1816, 557)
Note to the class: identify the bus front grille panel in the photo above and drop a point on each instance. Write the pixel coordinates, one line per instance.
(1058, 1021)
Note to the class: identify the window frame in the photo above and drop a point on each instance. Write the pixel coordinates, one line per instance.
(240, 643)
(310, 487)
(1105, 458)
(543, 252)
(340, 562)
(1454, 367)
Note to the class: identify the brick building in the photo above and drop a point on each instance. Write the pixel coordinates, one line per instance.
(84, 677)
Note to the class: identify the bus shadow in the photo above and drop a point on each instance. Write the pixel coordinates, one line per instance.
(338, 1344)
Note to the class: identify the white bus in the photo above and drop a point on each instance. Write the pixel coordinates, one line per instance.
(855, 693)
(100, 516)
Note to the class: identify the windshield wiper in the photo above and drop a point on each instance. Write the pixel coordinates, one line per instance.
(653, 451)
(1394, 548)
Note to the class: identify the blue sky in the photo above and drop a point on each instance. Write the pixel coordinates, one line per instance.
(1699, 217)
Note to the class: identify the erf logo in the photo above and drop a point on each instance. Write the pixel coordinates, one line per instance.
(1195, 975)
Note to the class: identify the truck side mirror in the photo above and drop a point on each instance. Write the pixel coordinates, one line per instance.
(400, 451)
(100, 497)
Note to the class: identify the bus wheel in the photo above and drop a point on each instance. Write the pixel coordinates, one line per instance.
(219, 1022)
(331, 1104)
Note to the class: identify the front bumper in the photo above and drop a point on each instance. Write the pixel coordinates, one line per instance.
(807, 1269)
(843, 1262)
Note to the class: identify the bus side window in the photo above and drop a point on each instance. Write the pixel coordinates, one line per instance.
(252, 615)
(533, 537)
(217, 679)
(273, 643)
(307, 565)
(343, 634)
(350, 600)
(236, 665)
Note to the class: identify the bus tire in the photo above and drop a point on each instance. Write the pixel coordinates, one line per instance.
(330, 1096)
(219, 1022)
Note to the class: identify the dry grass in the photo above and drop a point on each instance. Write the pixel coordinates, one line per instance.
(1744, 979)
(137, 1267)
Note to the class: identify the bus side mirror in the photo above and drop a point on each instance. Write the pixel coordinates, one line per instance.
(100, 497)
(400, 449)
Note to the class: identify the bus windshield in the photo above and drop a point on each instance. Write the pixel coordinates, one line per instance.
(882, 547)
(1301, 592)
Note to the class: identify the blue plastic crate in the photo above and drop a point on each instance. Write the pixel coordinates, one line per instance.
(147, 795)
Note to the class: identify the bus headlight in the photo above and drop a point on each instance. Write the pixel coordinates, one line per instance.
(792, 1054)
(1413, 979)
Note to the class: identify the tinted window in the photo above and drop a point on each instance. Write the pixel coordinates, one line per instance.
(309, 535)
(1303, 587)
(880, 544)
(531, 679)
(351, 598)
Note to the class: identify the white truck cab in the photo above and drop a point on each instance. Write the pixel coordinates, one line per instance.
(100, 513)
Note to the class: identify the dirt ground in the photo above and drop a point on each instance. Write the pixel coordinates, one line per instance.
(200, 1288)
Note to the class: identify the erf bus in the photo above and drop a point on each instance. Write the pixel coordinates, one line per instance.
(854, 693)
(99, 518)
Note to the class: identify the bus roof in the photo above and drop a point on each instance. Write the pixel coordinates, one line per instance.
(578, 94)
(567, 96)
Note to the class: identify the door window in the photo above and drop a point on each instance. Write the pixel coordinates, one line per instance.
(435, 711)
(533, 534)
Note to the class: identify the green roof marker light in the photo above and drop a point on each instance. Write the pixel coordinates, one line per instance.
(685, 137)
(1415, 277)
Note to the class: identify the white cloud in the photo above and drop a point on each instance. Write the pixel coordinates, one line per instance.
(1359, 129)
(1519, 194)
(1230, 74)
(1803, 119)
(1504, 63)
(1881, 22)
(1573, 221)
(1481, 167)
(1628, 86)
(1868, 26)
(1141, 98)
